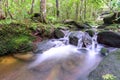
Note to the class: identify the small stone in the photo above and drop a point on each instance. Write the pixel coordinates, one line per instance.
(104, 51)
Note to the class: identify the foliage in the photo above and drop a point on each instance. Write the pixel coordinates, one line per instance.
(20, 8)
(109, 77)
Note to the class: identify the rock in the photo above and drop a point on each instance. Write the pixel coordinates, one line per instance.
(104, 51)
(109, 38)
(77, 24)
(86, 25)
(90, 32)
(87, 40)
(47, 44)
(103, 26)
(112, 18)
(74, 37)
(110, 64)
(78, 38)
(28, 56)
(59, 33)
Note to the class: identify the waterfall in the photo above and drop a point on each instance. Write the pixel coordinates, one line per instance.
(65, 39)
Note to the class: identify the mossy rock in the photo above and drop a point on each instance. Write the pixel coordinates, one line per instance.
(14, 44)
(15, 39)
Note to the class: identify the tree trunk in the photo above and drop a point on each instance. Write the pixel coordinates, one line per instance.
(43, 10)
(81, 10)
(57, 8)
(9, 13)
(32, 5)
(1, 12)
(85, 4)
(77, 10)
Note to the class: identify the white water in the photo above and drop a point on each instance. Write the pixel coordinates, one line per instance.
(56, 53)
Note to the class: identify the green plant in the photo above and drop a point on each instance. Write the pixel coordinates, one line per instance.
(109, 77)
(51, 19)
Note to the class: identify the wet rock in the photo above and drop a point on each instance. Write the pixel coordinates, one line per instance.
(79, 38)
(104, 51)
(28, 56)
(87, 40)
(47, 44)
(74, 37)
(109, 38)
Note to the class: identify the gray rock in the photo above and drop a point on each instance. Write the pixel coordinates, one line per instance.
(47, 44)
(74, 37)
(87, 40)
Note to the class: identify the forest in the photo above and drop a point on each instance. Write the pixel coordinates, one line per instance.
(59, 39)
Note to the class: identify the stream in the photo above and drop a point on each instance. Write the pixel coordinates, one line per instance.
(61, 62)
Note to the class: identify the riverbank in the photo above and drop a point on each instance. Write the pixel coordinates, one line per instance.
(109, 65)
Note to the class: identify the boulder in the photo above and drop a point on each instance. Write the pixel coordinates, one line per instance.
(60, 32)
(90, 32)
(109, 38)
(47, 44)
(87, 40)
(74, 37)
(79, 38)
(112, 18)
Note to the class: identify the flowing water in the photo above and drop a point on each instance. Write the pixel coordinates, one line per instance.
(63, 62)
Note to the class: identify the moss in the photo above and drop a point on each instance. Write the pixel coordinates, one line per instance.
(15, 39)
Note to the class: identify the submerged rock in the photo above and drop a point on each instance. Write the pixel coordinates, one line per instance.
(109, 38)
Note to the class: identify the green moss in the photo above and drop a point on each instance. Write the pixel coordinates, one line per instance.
(15, 39)
(109, 77)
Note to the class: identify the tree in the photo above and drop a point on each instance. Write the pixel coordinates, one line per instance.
(32, 5)
(1, 11)
(57, 8)
(43, 10)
